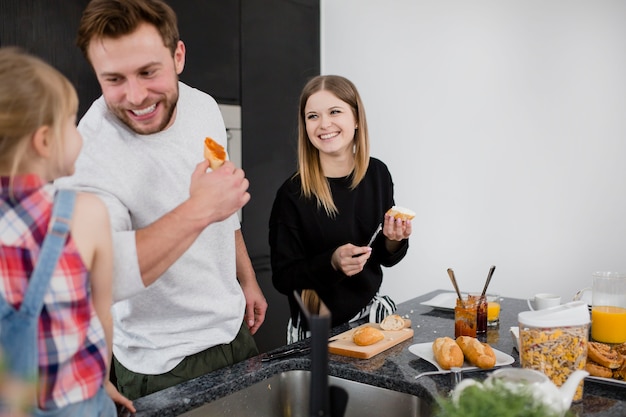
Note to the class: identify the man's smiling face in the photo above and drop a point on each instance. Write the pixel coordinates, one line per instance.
(139, 78)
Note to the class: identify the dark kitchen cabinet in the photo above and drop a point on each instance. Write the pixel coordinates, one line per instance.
(279, 52)
(254, 53)
(49, 31)
(210, 30)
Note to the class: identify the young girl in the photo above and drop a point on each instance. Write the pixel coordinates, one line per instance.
(39, 142)
(326, 213)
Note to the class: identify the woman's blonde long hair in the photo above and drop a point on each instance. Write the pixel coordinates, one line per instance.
(32, 94)
(314, 183)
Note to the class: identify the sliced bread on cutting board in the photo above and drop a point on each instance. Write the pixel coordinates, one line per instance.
(342, 344)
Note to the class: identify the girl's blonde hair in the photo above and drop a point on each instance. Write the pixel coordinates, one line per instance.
(32, 94)
(314, 183)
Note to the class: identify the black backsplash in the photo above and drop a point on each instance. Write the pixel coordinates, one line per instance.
(255, 53)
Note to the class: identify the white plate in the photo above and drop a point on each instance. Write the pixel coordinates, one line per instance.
(443, 301)
(606, 380)
(425, 351)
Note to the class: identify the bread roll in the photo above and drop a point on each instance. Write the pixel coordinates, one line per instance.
(620, 373)
(621, 349)
(606, 361)
(365, 336)
(477, 353)
(595, 369)
(602, 354)
(393, 322)
(447, 353)
(214, 153)
(403, 213)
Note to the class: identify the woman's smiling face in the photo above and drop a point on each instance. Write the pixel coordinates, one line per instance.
(330, 123)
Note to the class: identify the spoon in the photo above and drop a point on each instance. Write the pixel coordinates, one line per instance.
(456, 287)
(489, 275)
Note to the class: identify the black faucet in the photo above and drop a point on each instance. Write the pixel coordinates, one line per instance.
(324, 401)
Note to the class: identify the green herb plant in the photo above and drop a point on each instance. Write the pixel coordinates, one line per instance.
(493, 401)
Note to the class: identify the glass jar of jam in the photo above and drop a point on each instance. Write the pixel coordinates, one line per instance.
(481, 314)
(465, 315)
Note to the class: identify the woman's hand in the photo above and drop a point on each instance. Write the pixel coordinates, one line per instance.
(396, 230)
(350, 259)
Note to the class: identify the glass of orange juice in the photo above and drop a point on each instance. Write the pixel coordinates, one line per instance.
(493, 310)
(608, 312)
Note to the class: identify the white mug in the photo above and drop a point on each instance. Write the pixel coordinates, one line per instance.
(542, 301)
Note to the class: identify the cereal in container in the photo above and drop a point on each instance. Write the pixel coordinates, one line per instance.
(554, 341)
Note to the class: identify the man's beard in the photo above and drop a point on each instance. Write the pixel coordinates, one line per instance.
(168, 109)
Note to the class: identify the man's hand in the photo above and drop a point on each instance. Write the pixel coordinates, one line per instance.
(216, 195)
(256, 306)
(213, 197)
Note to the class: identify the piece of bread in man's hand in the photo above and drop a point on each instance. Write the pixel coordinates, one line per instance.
(214, 153)
(403, 213)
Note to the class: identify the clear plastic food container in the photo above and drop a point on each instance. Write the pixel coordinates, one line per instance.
(554, 341)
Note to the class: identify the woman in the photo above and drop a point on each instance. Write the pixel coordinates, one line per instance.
(325, 214)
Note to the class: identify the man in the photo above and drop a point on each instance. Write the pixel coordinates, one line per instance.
(190, 302)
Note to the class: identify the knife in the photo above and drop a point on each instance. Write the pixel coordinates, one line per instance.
(369, 245)
(378, 229)
(285, 353)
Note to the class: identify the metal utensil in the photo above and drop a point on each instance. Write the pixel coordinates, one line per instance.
(378, 229)
(430, 373)
(457, 375)
(286, 353)
(489, 275)
(456, 287)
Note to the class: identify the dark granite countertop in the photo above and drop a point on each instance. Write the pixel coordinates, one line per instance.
(396, 368)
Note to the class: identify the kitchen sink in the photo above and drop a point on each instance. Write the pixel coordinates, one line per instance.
(287, 394)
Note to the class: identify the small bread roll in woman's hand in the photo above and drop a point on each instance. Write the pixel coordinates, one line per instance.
(397, 226)
(401, 213)
(214, 153)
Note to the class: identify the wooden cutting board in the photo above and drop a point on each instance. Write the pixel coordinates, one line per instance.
(342, 344)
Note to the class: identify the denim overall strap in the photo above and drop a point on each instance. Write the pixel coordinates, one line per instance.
(18, 329)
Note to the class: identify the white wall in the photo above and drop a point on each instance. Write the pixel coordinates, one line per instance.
(504, 126)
